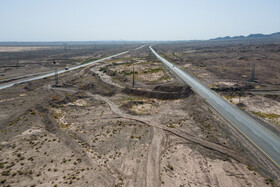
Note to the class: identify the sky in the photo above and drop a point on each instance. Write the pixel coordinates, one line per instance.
(96, 20)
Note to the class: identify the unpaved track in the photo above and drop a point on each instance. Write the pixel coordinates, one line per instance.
(265, 140)
(103, 76)
(210, 145)
(153, 159)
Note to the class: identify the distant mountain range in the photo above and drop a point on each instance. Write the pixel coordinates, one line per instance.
(277, 34)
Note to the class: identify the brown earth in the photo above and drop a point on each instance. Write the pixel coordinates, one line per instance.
(226, 66)
(87, 132)
(21, 59)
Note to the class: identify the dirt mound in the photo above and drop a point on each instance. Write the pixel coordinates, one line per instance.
(140, 107)
(93, 84)
(131, 103)
(240, 105)
(170, 88)
(32, 85)
(234, 88)
(159, 94)
(274, 97)
(66, 99)
(102, 89)
(114, 74)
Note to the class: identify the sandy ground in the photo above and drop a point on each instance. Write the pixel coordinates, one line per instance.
(261, 107)
(227, 67)
(81, 134)
(23, 48)
(24, 59)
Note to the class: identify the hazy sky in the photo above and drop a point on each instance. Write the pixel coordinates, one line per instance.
(85, 20)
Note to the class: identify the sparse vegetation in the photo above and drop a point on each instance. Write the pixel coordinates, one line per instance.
(3, 181)
(266, 115)
(269, 181)
(79, 131)
(170, 167)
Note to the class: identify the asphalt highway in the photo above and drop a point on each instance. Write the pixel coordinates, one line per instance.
(7, 85)
(264, 139)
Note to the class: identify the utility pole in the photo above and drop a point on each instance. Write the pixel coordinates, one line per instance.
(56, 74)
(133, 78)
(253, 74)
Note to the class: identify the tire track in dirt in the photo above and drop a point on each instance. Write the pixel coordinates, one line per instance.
(210, 145)
(52, 127)
(152, 170)
(153, 159)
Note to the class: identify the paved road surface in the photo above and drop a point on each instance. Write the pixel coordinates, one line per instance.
(264, 139)
(3, 86)
(140, 47)
(23, 76)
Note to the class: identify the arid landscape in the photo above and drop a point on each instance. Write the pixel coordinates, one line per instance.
(20, 59)
(128, 121)
(226, 67)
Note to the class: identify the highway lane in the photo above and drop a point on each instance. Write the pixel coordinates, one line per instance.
(23, 76)
(140, 47)
(264, 139)
(7, 85)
